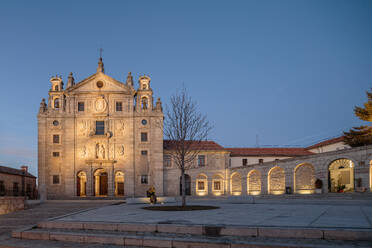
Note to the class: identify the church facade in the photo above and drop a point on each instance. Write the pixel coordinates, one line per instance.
(99, 137)
(104, 138)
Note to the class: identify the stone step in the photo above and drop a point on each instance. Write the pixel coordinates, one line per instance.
(215, 230)
(77, 238)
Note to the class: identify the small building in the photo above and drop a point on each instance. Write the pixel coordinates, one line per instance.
(17, 182)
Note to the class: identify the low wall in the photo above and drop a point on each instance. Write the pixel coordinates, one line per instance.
(10, 204)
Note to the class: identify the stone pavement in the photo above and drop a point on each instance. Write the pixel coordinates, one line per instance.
(39, 212)
(327, 214)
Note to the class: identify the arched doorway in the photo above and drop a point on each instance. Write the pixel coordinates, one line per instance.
(304, 179)
(276, 181)
(236, 184)
(341, 175)
(100, 182)
(187, 183)
(254, 182)
(119, 183)
(81, 184)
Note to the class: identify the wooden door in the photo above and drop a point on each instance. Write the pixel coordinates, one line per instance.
(103, 184)
(78, 186)
(120, 189)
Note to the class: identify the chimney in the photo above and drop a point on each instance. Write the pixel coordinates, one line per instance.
(24, 168)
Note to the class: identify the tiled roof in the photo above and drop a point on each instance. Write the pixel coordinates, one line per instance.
(326, 142)
(202, 145)
(284, 152)
(12, 171)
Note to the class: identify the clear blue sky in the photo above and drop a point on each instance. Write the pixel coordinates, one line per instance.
(290, 72)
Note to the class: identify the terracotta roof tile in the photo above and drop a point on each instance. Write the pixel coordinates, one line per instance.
(203, 145)
(326, 142)
(284, 152)
(12, 171)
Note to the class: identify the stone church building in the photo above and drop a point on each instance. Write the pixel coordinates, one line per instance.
(104, 138)
(99, 137)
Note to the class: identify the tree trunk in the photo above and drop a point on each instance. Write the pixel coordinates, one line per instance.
(183, 188)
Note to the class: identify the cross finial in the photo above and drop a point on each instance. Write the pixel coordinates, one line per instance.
(100, 52)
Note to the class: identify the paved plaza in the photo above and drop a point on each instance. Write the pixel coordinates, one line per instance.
(280, 213)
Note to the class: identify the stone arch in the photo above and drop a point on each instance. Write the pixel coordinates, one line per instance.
(304, 179)
(119, 183)
(202, 184)
(276, 181)
(217, 184)
(81, 183)
(100, 181)
(254, 182)
(236, 183)
(341, 175)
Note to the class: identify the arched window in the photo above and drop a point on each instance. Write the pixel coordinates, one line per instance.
(56, 103)
(201, 185)
(304, 179)
(217, 184)
(236, 184)
(276, 182)
(56, 88)
(254, 182)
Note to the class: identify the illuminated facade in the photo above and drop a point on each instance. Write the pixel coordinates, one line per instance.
(103, 138)
(99, 137)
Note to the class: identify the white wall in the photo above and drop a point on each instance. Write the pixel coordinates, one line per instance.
(331, 147)
(237, 161)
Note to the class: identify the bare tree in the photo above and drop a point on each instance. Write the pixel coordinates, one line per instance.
(186, 129)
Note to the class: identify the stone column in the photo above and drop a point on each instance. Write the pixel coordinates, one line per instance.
(89, 189)
(264, 182)
(90, 178)
(244, 184)
(110, 179)
(210, 185)
(289, 178)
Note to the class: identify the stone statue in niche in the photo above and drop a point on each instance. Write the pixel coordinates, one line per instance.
(100, 151)
(120, 128)
(84, 152)
(144, 103)
(121, 150)
(84, 127)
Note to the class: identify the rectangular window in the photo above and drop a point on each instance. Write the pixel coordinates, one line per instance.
(55, 179)
(56, 138)
(244, 161)
(260, 161)
(100, 127)
(201, 160)
(119, 106)
(15, 189)
(217, 185)
(167, 161)
(143, 137)
(144, 179)
(144, 153)
(55, 154)
(201, 185)
(80, 106)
